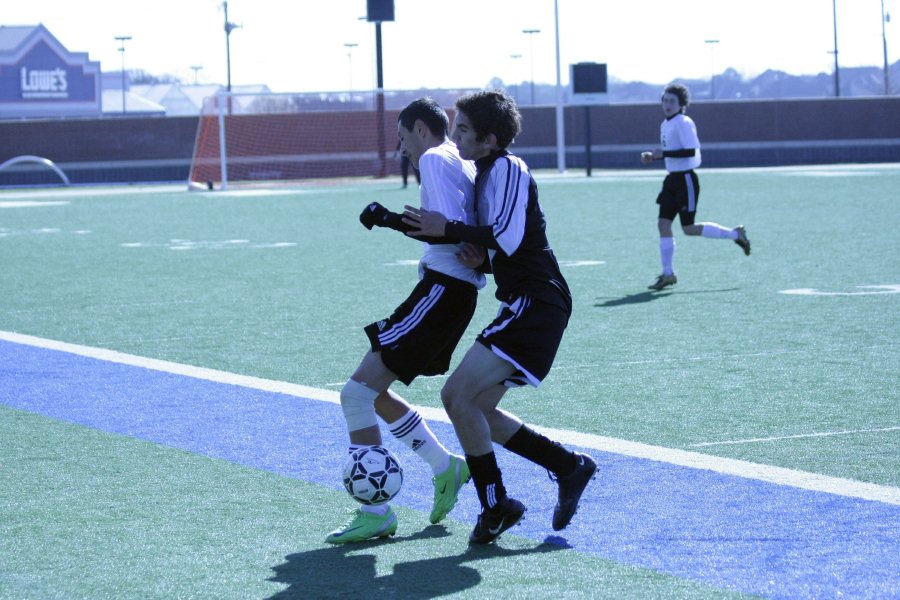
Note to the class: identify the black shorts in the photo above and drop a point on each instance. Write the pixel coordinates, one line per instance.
(420, 336)
(526, 333)
(679, 196)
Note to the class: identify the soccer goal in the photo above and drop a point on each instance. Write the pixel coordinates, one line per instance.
(247, 138)
(264, 138)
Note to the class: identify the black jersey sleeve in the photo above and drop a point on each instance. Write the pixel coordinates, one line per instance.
(481, 235)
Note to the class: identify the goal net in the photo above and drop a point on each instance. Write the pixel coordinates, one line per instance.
(258, 138)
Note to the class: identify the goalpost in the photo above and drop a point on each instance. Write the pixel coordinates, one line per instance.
(261, 138)
(245, 138)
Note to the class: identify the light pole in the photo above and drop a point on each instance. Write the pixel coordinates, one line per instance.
(516, 58)
(122, 39)
(196, 69)
(229, 27)
(837, 76)
(885, 19)
(350, 46)
(530, 33)
(712, 67)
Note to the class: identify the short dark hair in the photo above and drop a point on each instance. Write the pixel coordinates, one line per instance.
(681, 92)
(492, 112)
(430, 112)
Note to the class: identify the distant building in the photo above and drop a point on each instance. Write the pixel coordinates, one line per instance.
(40, 78)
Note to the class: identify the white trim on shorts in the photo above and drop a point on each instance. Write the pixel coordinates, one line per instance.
(416, 315)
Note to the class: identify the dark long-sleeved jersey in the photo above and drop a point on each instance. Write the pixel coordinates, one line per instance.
(512, 226)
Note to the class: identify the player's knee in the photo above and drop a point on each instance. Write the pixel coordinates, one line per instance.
(452, 400)
(358, 403)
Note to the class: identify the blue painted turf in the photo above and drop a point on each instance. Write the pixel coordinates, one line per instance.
(730, 532)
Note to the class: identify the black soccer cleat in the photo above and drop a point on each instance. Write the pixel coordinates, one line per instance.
(742, 240)
(491, 523)
(571, 487)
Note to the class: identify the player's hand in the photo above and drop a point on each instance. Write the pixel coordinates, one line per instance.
(372, 215)
(646, 158)
(426, 223)
(470, 255)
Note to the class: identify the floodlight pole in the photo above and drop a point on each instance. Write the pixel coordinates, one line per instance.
(518, 85)
(122, 39)
(379, 99)
(560, 122)
(229, 27)
(837, 76)
(530, 33)
(196, 69)
(712, 68)
(350, 46)
(887, 80)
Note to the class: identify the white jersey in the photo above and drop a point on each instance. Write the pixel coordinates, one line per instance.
(679, 133)
(448, 187)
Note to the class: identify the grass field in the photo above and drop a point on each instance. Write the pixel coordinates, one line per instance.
(170, 364)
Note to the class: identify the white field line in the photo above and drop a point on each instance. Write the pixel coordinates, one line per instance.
(777, 475)
(799, 436)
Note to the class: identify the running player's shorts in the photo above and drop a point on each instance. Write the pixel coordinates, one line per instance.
(527, 333)
(420, 336)
(679, 196)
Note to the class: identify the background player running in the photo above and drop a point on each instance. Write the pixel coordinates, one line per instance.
(680, 148)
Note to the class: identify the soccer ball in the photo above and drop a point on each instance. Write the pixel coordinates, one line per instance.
(372, 475)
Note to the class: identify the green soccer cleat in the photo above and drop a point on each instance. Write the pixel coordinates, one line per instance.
(365, 526)
(447, 486)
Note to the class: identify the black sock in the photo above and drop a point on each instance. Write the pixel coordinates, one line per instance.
(487, 478)
(542, 451)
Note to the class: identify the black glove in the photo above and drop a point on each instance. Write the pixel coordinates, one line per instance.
(373, 214)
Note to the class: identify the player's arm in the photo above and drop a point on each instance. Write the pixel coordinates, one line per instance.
(474, 257)
(432, 224)
(376, 215)
(680, 153)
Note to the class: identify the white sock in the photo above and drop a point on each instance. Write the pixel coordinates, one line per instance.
(667, 254)
(376, 509)
(714, 230)
(413, 431)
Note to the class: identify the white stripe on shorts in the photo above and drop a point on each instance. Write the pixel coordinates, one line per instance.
(414, 317)
(692, 196)
(516, 307)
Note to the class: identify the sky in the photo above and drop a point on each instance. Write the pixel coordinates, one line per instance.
(300, 45)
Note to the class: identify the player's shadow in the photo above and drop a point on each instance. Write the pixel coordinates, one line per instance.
(652, 295)
(349, 570)
(634, 299)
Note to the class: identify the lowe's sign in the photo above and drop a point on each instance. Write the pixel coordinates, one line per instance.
(40, 78)
(44, 84)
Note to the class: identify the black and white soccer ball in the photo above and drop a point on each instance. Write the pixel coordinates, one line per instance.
(373, 475)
